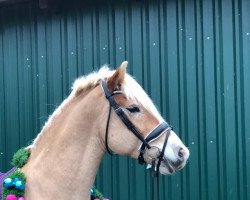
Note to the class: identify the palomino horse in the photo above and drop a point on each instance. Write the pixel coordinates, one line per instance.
(66, 154)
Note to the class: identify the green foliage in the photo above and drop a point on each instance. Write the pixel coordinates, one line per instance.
(97, 194)
(20, 158)
(18, 193)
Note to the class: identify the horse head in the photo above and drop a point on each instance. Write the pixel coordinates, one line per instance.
(135, 128)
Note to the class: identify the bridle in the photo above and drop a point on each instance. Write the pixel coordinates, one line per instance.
(160, 129)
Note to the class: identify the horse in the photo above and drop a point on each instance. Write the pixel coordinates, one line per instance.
(106, 111)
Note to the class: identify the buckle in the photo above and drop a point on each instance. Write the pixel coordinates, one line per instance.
(141, 159)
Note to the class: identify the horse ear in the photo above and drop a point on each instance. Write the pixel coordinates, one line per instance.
(117, 78)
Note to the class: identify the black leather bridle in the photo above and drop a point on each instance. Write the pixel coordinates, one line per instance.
(160, 129)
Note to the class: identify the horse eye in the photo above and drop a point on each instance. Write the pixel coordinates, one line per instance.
(133, 109)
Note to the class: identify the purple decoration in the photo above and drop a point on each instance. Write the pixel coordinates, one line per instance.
(2, 177)
(20, 198)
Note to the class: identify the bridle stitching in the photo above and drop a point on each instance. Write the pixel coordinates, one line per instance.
(153, 138)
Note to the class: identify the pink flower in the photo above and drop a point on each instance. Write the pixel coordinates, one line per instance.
(11, 197)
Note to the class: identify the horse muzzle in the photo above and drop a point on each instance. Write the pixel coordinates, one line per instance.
(169, 166)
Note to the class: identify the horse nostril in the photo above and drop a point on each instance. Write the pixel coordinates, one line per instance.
(181, 152)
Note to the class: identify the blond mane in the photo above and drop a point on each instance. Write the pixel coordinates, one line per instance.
(130, 87)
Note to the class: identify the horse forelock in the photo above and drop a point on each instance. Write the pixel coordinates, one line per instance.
(134, 91)
(131, 88)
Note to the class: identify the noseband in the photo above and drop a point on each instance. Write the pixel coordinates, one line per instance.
(161, 128)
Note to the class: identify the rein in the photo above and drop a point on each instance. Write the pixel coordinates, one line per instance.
(154, 134)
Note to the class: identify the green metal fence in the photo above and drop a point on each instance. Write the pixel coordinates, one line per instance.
(192, 57)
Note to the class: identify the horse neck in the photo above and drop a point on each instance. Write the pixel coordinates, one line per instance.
(65, 160)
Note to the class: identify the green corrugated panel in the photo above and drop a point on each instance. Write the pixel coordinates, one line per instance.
(192, 57)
